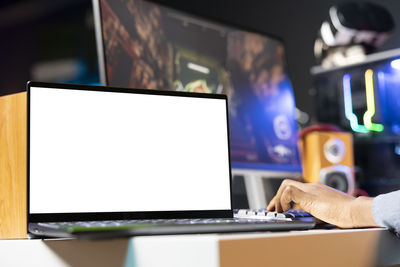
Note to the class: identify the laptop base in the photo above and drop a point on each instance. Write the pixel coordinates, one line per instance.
(228, 226)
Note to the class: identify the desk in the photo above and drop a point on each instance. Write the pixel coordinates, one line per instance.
(353, 247)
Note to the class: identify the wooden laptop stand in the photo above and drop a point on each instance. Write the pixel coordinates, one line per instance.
(13, 166)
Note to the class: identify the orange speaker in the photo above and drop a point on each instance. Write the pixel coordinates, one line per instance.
(327, 157)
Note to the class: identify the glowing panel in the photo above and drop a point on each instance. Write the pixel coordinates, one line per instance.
(369, 88)
(348, 106)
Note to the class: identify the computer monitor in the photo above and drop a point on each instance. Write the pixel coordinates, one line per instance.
(142, 44)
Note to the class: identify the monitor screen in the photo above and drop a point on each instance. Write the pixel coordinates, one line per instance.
(101, 151)
(146, 45)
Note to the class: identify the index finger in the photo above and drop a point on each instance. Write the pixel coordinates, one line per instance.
(284, 184)
(271, 205)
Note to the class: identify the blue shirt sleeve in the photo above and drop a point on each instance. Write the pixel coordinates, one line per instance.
(386, 211)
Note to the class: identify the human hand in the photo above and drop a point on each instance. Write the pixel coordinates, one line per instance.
(325, 203)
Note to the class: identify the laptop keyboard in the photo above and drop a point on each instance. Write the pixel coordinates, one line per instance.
(240, 216)
(127, 223)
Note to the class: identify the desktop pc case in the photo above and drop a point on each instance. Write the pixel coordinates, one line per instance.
(364, 99)
(142, 44)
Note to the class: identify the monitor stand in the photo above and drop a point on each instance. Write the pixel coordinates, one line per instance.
(261, 186)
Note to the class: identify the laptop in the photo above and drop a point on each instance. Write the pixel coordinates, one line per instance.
(110, 162)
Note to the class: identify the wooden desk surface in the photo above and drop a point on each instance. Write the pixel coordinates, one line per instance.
(353, 247)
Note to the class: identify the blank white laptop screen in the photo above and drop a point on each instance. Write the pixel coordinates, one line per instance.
(93, 151)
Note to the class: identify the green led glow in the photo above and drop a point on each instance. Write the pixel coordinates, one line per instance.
(348, 106)
(369, 88)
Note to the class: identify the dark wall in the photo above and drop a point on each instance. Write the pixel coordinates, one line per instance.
(33, 31)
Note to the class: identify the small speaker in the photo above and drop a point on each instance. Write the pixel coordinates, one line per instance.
(327, 157)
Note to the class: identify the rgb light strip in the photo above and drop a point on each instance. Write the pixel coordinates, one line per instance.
(348, 106)
(369, 114)
(369, 87)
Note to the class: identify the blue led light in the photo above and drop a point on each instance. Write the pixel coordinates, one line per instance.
(396, 129)
(397, 149)
(388, 86)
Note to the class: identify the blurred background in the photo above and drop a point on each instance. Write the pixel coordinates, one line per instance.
(38, 35)
(54, 41)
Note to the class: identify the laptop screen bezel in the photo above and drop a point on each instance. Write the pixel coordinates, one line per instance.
(87, 216)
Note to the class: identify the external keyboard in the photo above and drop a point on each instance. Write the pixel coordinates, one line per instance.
(263, 214)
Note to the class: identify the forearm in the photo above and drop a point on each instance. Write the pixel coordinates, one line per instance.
(361, 212)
